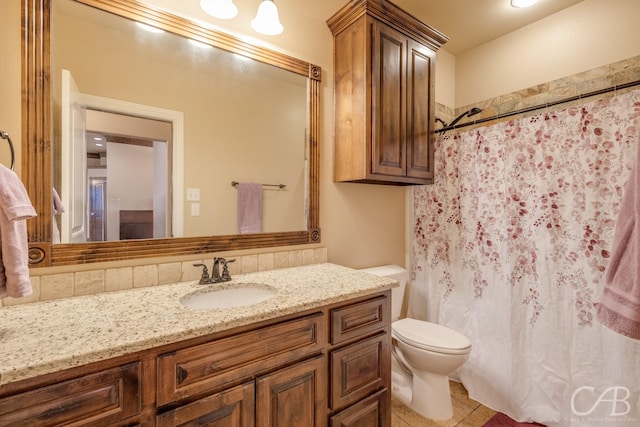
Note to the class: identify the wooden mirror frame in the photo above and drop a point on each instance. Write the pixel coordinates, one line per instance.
(37, 144)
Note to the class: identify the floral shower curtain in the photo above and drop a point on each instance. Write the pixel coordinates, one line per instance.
(510, 248)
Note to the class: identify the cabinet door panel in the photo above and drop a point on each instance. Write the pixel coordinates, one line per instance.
(230, 408)
(388, 101)
(92, 400)
(352, 119)
(420, 111)
(359, 369)
(293, 397)
(370, 412)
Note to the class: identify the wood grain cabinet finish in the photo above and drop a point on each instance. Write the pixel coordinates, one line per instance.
(214, 365)
(290, 397)
(370, 412)
(357, 320)
(360, 363)
(293, 396)
(99, 399)
(384, 65)
(329, 365)
(357, 370)
(230, 408)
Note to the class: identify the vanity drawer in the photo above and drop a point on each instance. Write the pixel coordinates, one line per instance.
(359, 369)
(374, 411)
(213, 365)
(97, 399)
(359, 319)
(235, 407)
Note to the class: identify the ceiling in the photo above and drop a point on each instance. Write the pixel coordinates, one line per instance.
(467, 23)
(470, 23)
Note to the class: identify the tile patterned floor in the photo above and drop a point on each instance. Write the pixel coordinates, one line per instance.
(466, 412)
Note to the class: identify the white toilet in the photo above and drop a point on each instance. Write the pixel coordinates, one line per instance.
(424, 354)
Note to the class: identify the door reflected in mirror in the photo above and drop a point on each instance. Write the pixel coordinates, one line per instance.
(124, 201)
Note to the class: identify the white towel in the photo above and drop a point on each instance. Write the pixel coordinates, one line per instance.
(249, 207)
(15, 208)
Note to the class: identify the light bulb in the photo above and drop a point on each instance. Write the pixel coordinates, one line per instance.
(267, 21)
(223, 9)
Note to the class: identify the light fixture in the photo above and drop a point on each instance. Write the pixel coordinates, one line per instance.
(267, 21)
(223, 9)
(523, 3)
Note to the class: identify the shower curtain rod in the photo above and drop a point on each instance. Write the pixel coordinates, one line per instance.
(540, 106)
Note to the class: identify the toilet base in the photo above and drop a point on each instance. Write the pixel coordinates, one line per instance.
(433, 396)
(401, 384)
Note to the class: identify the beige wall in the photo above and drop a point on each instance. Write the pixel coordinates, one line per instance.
(588, 35)
(364, 225)
(10, 79)
(445, 78)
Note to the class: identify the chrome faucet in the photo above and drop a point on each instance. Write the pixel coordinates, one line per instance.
(215, 277)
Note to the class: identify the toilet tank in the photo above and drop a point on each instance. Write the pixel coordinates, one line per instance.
(397, 294)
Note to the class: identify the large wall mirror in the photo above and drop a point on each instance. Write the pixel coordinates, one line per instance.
(135, 140)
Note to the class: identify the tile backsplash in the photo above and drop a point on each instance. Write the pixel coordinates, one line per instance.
(56, 283)
(576, 85)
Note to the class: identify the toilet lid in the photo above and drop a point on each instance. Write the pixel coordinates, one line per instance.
(430, 336)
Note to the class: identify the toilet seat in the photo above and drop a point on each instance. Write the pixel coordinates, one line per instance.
(430, 336)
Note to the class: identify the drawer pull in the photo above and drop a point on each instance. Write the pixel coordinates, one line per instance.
(181, 374)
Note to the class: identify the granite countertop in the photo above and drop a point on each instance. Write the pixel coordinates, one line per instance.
(45, 337)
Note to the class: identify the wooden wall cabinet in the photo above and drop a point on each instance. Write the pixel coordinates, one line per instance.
(384, 66)
(323, 367)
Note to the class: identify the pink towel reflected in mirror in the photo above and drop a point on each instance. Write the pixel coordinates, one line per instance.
(249, 207)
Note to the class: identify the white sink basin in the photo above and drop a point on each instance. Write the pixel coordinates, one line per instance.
(238, 296)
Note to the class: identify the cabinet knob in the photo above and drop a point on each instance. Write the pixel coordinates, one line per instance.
(181, 374)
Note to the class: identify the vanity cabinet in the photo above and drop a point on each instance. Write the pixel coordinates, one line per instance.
(384, 66)
(323, 367)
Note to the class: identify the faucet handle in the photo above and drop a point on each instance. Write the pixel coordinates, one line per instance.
(204, 279)
(225, 277)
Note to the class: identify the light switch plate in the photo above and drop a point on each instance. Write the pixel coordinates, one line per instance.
(195, 209)
(193, 194)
